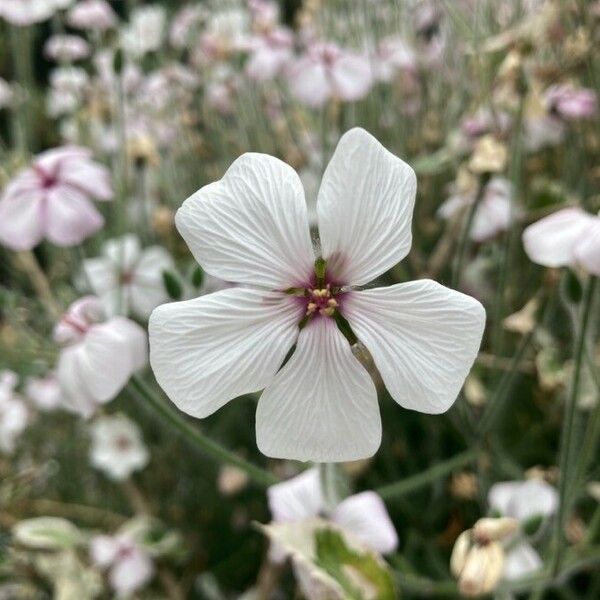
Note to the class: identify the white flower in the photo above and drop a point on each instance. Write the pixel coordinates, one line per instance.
(127, 278)
(99, 356)
(568, 237)
(130, 565)
(117, 447)
(13, 413)
(363, 515)
(44, 392)
(145, 32)
(251, 228)
(493, 214)
(28, 12)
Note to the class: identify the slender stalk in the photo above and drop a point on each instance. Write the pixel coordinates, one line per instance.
(410, 484)
(27, 262)
(566, 449)
(207, 446)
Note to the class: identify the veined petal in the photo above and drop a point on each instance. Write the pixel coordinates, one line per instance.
(551, 241)
(207, 351)
(364, 208)
(21, 222)
(423, 338)
(366, 516)
(252, 225)
(322, 405)
(298, 498)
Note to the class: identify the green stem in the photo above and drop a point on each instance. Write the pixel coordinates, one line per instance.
(207, 446)
(568, 424)
(405, 486)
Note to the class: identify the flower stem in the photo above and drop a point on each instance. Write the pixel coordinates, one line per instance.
(207, 446)
(27, 262)
(428, 476)
(566, 449)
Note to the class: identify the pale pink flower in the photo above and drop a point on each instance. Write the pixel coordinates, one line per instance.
(185, 24)
(96, 15)
(363, 515)
(327, 71)
(99, 356)
(494, 213)
(269, 54)
(52, 199)
(543, 131)
(14, 417)
(251, 228)
(265, 14)
(117, 447)
(145, 31)
(127, 278)
(571, 103)
(130, 566)
(44, 392)
(67, 89)
(28, 12)
(394, 55)
(569, 237)
(66, 48)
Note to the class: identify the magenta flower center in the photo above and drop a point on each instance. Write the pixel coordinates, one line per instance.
(321, 301)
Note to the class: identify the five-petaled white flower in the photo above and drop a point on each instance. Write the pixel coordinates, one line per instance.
(251, 228)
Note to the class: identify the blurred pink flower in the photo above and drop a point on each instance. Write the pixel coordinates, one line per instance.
(251, 228)
(185, 24)
(52, 199)
(571, 103)
(568, 237)
(494, 213)
(117, 447)
(28, 12)
(394, 55)
(364, 515)
(130, 566)
(13, 413)
(264, 13)
(44, 392)
(128, 279)
(99, 356)
(66, 48)
(327, 71)
(269, 54)
(96, 15)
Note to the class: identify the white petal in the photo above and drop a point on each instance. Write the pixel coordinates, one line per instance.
(501, 494)
(298, 498)
(351, 76)
(366, 516)
(100, 274)
(103, 550)
(423, 338)
(148, 288)
(587, 251)
(551, 241)
(123, 252)
(523, 500)
(309, 82)
(206, 351)
(21, 222)
(521, 561)
(131, 572)
(364, 207)
(252, 225)
(136, 339)
(322, 405)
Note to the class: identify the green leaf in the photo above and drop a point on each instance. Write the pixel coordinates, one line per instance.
(533, 524)
(349, 567)
(197, 277)
(172, 285)
(571, 287)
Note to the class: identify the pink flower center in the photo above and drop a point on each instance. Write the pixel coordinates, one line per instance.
(126, 278)
(321, 301)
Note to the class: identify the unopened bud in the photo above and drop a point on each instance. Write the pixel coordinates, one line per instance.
(482, 570)
(492, 530)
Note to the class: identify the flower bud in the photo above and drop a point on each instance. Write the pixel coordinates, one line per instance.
(489, 156)
(492, 530)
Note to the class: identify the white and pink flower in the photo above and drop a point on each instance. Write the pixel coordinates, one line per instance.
(44, 392)
(129, 564)
(66, 48)
(28, 12)
(270, 52)
(363, 515)
(99, 356)
(95, 15)
(569, 237)
(251, 228)
(327, 71)
(52, 199)
(571, 103)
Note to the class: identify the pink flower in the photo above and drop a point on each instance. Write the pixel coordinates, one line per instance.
(494, 213)
(328, 71)
(569, 237)
(364, 515)
(251, 228)
(28, 12)
(394, 55)
(571, 103)
(92, 14)
(44, 392)
(52, 199)
(269, 54)
(130, 565)
(98, 356)
(66, 48)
